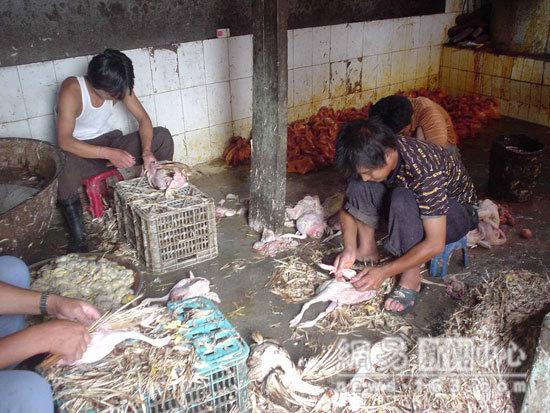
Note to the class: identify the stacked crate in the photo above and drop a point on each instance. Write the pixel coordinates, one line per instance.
(168, 233)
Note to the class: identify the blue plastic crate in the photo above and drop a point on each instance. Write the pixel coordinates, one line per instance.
(222, 355)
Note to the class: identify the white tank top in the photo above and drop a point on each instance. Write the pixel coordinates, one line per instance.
(93, 121)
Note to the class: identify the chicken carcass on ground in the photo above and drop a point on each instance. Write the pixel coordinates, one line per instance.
(309, 218)
(187, 288)
(283, 387)
(337, 292)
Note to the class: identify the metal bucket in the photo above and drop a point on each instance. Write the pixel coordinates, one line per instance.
(514, 166)
(24, 225)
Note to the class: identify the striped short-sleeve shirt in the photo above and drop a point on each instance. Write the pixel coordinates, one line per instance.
(433, 175)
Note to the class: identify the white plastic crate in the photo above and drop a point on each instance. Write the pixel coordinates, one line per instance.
(168, 234)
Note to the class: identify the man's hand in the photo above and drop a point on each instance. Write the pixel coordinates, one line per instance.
(64, 338)
(74, 310)
(148, 158)
(120, 158)
(344, 260)
(370, 278)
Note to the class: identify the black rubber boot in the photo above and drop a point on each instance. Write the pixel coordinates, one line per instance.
(72, 209)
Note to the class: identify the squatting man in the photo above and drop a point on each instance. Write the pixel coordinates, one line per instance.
(420, 190)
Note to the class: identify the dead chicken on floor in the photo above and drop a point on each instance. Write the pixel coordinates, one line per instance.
(187, 288)
(278, 382)
(338, 292)
(308, 217)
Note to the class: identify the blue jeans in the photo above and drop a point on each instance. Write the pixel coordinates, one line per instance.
(20, 391)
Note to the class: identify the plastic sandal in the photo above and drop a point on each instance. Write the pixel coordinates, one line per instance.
(406, 297)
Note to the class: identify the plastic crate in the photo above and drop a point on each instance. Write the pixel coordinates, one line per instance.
(168, 234)
(222, 356)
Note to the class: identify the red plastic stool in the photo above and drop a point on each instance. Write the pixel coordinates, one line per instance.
(96, 187)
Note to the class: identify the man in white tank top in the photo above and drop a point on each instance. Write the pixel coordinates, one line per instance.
(84, 106)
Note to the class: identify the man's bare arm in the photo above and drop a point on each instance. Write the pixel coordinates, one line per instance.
(68, 109)
(145, 126)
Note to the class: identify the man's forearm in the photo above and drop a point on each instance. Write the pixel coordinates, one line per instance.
(146, 136)
(14, 300)
(21, 345)
(419, 254)
(85, 150)
(349, 230)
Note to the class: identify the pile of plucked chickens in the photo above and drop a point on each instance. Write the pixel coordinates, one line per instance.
(311, 142)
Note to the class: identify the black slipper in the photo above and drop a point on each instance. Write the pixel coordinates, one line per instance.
(404, 296)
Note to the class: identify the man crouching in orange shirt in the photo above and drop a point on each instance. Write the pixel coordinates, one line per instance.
(419, 118)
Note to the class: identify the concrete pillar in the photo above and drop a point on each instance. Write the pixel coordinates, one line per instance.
(269, 116)
(537, 396)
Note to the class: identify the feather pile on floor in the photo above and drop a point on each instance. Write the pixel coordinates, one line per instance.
(348, 318)
(297, 280)
(133, 372)
(104, 237)
(493, 317)
(294, 280)
(311, 141)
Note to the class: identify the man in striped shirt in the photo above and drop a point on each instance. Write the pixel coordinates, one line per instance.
(423, 192)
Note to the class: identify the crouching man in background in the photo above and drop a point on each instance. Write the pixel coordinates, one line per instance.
(419, 118)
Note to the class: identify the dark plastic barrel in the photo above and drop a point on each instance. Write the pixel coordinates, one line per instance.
(514, 166)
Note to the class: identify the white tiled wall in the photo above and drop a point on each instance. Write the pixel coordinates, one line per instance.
(351, 64)
(519, 84)
(202, 91)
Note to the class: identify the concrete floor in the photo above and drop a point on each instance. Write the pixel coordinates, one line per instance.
(267, 313)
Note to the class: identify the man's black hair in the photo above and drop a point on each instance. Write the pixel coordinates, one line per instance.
(393, 111)
(363, 144)
(113, 72)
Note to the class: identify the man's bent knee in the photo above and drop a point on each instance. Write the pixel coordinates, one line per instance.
(14, 271)
(162, 134)
(403, 202)
(163, 143)
(25, 391)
